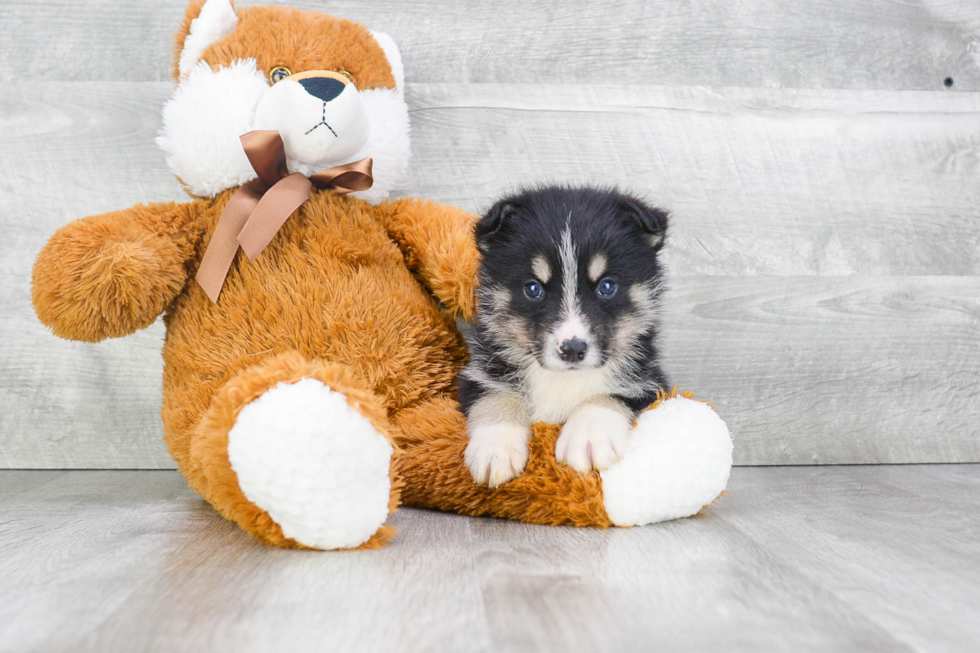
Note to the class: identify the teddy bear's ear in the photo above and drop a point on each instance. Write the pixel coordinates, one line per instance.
(394, 58)
(205, 21)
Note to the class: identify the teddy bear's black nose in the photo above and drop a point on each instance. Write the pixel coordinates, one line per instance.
(325, 88)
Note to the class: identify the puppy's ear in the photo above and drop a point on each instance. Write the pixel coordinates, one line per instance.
(493, 222)
(650, 219)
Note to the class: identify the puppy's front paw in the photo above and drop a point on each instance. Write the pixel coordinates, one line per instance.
(497, 453)
(594, 437)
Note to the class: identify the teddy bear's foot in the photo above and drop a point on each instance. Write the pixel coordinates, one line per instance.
(677, 461)
(306, 458)
(316, 465)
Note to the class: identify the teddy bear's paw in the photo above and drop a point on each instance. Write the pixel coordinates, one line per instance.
(677, 461)
(497, 453)
(314, 463)
(594, 437)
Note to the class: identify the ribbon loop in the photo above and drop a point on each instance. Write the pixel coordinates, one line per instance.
(347, 178)
(267, 154)
(258, 209)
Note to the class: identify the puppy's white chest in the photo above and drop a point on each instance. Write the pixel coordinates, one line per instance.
(553, 395)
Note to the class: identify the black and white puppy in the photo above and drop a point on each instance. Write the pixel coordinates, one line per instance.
(566, 328)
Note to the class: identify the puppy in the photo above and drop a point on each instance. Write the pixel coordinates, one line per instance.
(566, 327)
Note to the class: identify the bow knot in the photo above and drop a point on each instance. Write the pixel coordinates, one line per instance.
(260, 207)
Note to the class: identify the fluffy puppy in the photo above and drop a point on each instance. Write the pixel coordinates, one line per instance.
(566, 328)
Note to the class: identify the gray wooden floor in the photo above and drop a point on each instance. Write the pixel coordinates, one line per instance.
(793, 559)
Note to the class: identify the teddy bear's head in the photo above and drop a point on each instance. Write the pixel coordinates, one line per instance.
(332, 89)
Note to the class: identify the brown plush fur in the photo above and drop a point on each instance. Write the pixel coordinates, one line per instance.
(112, 274)
(332, 297)
(433, 436)
(361, 298)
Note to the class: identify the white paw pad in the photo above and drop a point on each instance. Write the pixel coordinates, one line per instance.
(496, 453)
(316, 465)
(594, 437)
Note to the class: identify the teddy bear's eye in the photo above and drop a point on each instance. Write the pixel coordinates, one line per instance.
(279, 73)
(348, 76)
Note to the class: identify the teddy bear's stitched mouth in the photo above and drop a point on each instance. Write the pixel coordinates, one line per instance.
(322, 123)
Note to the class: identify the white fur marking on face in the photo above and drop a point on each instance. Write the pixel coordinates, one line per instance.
(216, 20)
(573, 324)
(574, 328)
(597, 267)
(569, 273)
(541, 269)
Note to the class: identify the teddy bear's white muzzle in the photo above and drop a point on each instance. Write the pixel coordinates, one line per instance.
(320, 118)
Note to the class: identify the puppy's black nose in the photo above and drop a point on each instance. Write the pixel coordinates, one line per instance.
(324, 88)
(573, 350)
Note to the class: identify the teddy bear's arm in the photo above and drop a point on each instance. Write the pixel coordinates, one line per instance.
(110, 275)
(439, 247)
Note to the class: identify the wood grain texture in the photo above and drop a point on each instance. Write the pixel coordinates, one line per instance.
(894, 541)
(824, 252)
(810, 370)
(792, 559)
(878, 44)
(761, 182)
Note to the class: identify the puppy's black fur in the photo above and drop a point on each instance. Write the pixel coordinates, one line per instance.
(545, 230)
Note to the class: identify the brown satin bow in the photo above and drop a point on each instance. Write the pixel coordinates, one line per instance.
(259, 208)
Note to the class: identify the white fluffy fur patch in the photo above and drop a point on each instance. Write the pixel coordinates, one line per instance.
(677, 461)
(202, 123)
(316, 465)
(216, 20)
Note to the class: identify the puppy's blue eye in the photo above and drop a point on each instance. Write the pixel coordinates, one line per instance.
(606, 288)
(533, 290)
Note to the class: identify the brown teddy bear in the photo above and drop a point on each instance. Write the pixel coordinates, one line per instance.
(308, 380)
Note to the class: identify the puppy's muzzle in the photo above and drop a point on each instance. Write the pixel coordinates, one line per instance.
(573, 350)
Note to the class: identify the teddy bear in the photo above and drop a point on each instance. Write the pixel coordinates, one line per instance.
(311, 343)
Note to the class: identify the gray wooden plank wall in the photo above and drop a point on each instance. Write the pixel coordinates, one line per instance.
(824, 182)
